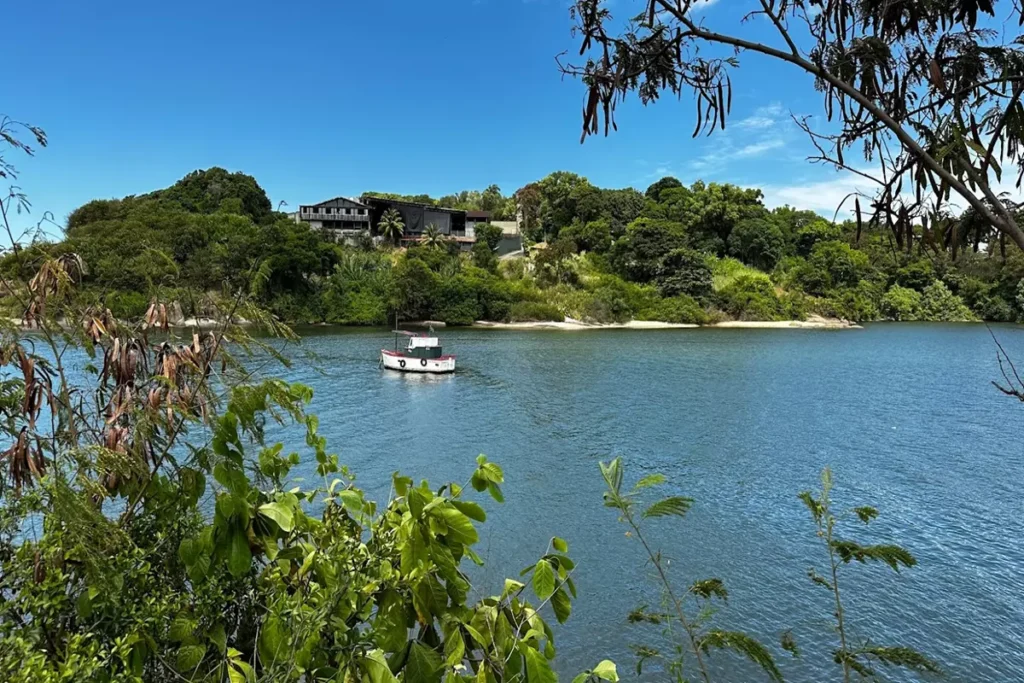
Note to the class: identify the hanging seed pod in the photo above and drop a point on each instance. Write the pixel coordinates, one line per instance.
(38, 569)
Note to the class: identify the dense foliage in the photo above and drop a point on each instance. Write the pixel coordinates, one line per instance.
(680, 254)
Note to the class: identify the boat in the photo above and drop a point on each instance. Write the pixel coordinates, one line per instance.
(423, 354)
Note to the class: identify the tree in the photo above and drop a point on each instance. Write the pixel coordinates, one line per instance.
(932, 98)
(684, 271)
(561, 194)
(637, 254)
(528, 204)
(594, 236)
(758, 242)
(654, 190)
(489, 234)
(433, 237)
(491, 199)
(391, 226)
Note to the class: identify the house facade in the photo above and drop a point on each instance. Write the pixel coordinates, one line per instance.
(343, 219)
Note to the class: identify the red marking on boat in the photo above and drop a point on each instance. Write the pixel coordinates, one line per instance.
(397, 354)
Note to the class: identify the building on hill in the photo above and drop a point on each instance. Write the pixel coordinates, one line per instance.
(343, 219)
(417, 217)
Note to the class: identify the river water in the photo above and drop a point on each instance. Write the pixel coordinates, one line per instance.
(740, 420)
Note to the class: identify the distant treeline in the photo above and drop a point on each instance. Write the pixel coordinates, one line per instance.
(680, 254)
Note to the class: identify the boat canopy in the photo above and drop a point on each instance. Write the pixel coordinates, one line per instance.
(422, 342)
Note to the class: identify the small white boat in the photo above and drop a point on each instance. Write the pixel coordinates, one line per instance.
(424, 354)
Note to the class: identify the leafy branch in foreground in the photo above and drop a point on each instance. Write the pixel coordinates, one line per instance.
(857, 658)
(687, 636)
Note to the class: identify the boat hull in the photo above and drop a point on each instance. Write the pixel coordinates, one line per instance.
(392, 360)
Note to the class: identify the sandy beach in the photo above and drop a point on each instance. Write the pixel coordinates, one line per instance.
(812, 323)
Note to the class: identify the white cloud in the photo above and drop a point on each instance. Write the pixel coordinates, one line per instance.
(823, 196)
(763, 117)
(757, 148)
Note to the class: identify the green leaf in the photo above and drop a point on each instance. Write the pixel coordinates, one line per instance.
(272, 641)
(189, 657)
(280, 513)
(612, 473)
(240, 672)
(471, 510)
(673, 505)
(239, 555)
(606, 671)
(495, 492)
(560, 545)
(218, 637)
(561, 605)
(543, 580)
(649, 481)
(376, 668)
(742, 644)
(181, 628)
(709, 588)
(460, 527)
(351, 499)
(537, 668)
(424, 665)
(866, 513)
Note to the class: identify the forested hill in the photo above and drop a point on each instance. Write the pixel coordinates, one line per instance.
(681, 254)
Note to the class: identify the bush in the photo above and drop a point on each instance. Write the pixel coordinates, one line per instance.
(676, 309)
(901, 303)
(751, 298)
(941, 305)
(916, 275)
(534, 311)
(818, 231)
(457, 302)
(726, 270)
(832, 265)
(849, 304)
(127, 305)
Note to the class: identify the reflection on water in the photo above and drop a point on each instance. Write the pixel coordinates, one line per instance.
(741, 420)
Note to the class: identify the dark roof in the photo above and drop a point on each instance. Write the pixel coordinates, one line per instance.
(431, 207)
(340, 199)
(478, 214)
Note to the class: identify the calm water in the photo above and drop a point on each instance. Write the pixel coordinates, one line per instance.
(741, 420)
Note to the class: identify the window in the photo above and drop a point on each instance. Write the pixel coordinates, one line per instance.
(330, 210)
(348, 211)
(362, 212)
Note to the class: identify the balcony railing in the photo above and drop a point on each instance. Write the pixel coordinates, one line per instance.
(324, 216)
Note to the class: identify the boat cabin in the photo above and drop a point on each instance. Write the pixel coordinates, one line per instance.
(423, 347)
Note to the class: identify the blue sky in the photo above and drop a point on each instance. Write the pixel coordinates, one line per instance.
(318, 99)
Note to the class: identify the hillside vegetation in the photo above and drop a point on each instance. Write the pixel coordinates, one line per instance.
(693, 254)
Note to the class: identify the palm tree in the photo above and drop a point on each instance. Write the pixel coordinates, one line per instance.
(432, 236)
(391, 226)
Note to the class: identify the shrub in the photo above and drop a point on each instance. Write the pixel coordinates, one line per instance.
(818, 231)
(941, 305)
(848, 304)
(676, 309)
(901, 303)
(832, 265)
(916, 275)
(534, 311)
(725, 270)
(127, 305)
(751, 298)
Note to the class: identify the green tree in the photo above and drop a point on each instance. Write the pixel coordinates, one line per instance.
(391, 226)
(489, 234)
(433, 237)
(637, 254)
(654, 190)
(758, 242)
(684, 271)
(901, 303)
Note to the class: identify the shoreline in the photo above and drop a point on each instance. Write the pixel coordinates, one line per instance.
(812, 323)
